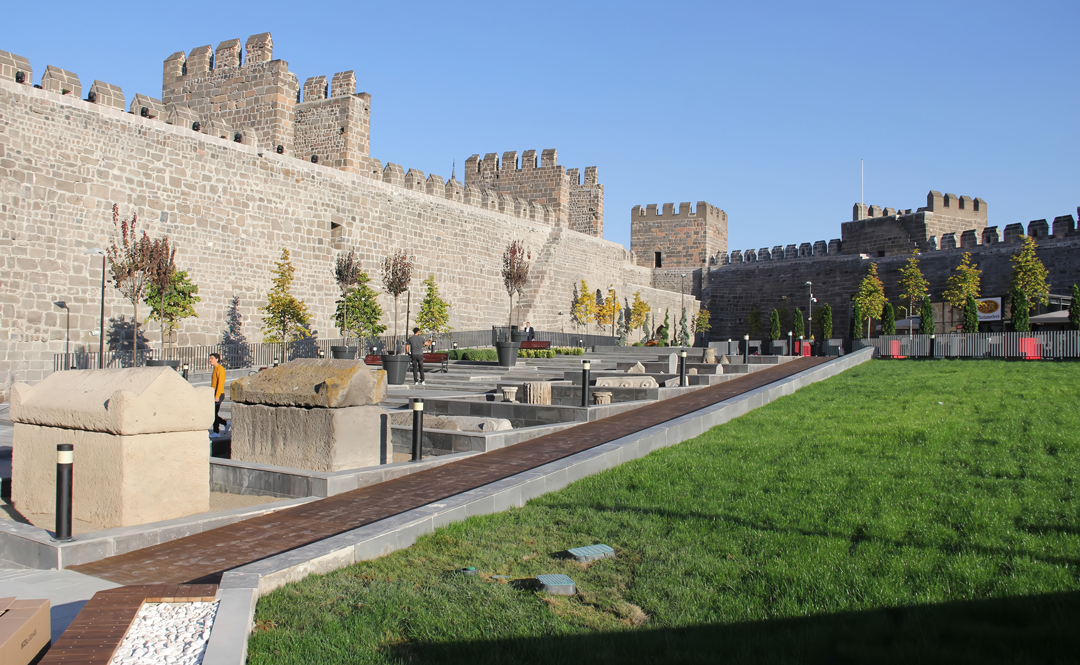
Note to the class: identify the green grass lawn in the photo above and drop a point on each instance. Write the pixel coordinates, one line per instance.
(902, 511)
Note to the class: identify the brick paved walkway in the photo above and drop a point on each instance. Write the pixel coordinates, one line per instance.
(202, 558)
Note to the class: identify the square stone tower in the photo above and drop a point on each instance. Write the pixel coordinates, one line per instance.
(682, 239)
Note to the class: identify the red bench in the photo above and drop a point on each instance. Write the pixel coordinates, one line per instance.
(535, 345)
(440, 359)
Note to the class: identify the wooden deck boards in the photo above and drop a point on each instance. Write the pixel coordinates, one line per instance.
(203, 557)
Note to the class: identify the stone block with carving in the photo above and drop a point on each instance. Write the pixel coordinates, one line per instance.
(536, 392)
(601, 397)
(452, 423)
(709, 356)
(320, 415)
(141, 451)
(638, 368)
(627, 382)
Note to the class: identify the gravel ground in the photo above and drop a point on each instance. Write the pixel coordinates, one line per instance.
(173, 633)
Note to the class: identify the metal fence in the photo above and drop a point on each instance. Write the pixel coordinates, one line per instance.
(260, 354)
(1051, 345)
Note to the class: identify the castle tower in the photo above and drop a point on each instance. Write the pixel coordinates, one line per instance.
(576, 204)
(218, 86)
(683, 239)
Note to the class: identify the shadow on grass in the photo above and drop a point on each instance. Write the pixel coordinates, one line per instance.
(1029, 629)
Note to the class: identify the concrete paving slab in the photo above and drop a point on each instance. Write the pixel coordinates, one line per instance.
(66, 590)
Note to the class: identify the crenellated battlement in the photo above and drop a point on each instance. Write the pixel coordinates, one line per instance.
(577, 203)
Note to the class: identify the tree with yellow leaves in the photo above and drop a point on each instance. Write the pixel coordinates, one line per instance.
(585, 307)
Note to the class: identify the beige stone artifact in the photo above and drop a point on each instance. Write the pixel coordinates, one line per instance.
(141, 451)
(509, 393)
(320, 415)
(638, 368)
(314, 439)
(709, 356)
(312, 382)
(452, 423)
(602, 397)
(626, 382)
(536, 392)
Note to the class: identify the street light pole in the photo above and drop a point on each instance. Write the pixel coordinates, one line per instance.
(67, 333)
(96, 251)
(682, 294)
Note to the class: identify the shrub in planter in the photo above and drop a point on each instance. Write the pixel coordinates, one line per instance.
(488, 355)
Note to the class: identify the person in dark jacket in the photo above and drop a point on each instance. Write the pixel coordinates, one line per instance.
(416, 356)
(530, 333)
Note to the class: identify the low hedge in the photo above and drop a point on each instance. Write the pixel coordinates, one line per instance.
(474, 354)
(536, 353)
(569, 350)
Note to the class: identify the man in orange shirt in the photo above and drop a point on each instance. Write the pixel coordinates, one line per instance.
(217, 382)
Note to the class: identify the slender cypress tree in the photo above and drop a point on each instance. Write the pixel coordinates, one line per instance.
(971, 315)
(927, 317)
(774, 325)
(1020, 310)
(826, 323)
(888, 320)
(1074, 309)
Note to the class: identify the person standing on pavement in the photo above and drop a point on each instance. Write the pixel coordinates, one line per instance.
(530, 334)
(416, 356)
(217, 382)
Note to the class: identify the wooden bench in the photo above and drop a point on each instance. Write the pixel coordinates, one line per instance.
(535, 345)
(440, 359)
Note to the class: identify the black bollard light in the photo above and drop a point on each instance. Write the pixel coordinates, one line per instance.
(746, 350)
(417, 429)
(186, 368)
(800, 345)
(585, 365)
(790, 348)
(65, 459)
(932, 342)
(682, 368)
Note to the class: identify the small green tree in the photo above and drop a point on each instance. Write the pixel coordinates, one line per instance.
(639, 312)
(913, 287)
(870, 296)
(130, 264)
(1029, 274)
(360, 308)
(964, 283)
(1020, 310)
(971, 316)
(586, 306)
(926, 322)
(888, 320)
(856, 320)
(754, 320)
(774, 325)
(800, 327)
(434, 315)
(826, 323)
(176, 304)
(662, 331)
(702, 324)
(1074, 309)
(285, 318)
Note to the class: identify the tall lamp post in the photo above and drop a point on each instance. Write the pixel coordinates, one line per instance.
(682, 294)
(611, 294)
(810, 311)
(97, 251)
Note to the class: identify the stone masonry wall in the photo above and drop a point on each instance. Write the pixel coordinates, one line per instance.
(884, 232)
(684, 239)
(336, 132)
(733, 290)
(230, 208)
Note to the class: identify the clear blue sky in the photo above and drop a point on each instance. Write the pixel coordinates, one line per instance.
(762, 109)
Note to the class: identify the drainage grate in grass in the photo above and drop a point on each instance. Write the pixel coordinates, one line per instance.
(591, 552)
(557, 583)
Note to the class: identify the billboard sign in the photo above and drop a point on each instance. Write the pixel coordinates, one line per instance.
(989, 308)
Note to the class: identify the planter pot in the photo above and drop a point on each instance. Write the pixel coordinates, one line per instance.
(507, 353)
(518, 336)
(395, 367)
(175, 364)
(779, 348)
(343, 352)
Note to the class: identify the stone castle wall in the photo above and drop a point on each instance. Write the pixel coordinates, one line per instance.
(230, 208)
(733, 290)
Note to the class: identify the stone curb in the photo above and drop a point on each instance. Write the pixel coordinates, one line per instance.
(33, 547)
(240, 588)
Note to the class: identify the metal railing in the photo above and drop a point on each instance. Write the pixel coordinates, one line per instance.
(262, 354)
(1051, 345)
